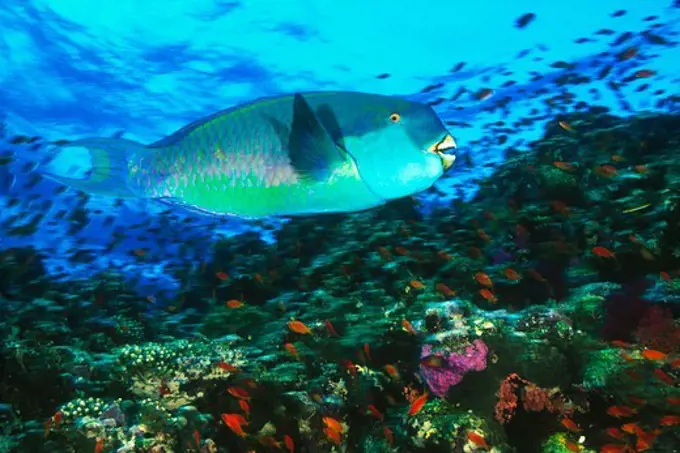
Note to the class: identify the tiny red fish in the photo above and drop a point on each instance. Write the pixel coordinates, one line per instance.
(289, 443)
(238, 392)
(330, 328)
(235, 422)
(375, 412)
(418, 404)
(477, 439)
(299, 327)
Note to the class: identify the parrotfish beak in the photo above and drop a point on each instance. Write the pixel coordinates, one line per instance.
(441, 147)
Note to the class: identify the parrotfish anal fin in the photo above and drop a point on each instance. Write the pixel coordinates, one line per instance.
(109, 172)
(176, 202)
(312, 151)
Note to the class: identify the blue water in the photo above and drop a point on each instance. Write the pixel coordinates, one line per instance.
(69, 69)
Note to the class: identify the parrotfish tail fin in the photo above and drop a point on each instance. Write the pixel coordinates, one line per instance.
(109, 173)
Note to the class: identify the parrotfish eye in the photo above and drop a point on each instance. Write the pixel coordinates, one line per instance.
(395, 117)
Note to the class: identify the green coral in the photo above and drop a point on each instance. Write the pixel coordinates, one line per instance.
(559, 443)
(160, 370)
(440, 424)
(603, 368)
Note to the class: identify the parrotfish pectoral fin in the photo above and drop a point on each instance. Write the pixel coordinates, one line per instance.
(312, 151)
(109, 172)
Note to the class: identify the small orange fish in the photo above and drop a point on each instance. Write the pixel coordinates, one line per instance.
(235, 422)
(615, 448)
(48, 427)
(621, 344)
(416, 284)
(616, 433)
(483, 279)
(606, 171)
(621, 411)
(652, 354)
(645, 440)
(289, 443)
(350, 367)
(670, 420)
(432, 361)
(488, 295)
(222, 276)
(334, 424)
(417, 404)
(566, 166)
(299, 327)
(631, 428)
(408, 327)
(672, 400)
(375, 412)
(570, 425)
(641, 169)
(444, 290)
(391, 371)
(482, 235)
(290, 347)
(234, 303)
(572, 446)
(367, 352)
(387, 256)
(99, 445)
(227, 367)
(477, 439)
(401, 251)
(603, 252)
(511, 274)
(238, 392)
(664, 377)
(333, 436)
(627, 357)
(243, 404)
(330, 328)
(388, 435)
(445, 256)
(666, 276)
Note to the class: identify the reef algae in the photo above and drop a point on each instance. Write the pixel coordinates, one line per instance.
(558, 282)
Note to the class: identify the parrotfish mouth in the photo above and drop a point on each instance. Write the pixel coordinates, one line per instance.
(441, 147)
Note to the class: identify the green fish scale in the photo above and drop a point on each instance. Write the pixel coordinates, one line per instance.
(224, 165)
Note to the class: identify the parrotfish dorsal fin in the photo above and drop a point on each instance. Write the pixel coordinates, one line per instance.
(312, 151)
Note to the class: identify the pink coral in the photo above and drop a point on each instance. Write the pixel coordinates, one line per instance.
(454, 366)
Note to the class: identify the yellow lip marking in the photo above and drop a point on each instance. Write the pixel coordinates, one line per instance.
(446, 144)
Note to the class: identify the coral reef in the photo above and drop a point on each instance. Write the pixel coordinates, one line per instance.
(542, 316)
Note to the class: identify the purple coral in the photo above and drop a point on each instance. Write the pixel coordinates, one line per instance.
(455, 365)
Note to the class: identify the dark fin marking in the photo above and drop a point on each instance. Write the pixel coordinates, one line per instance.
(312, 151)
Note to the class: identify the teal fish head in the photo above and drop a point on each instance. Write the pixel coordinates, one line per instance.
(400, 147)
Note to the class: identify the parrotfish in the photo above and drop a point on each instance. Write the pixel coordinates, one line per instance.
(300, 154)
